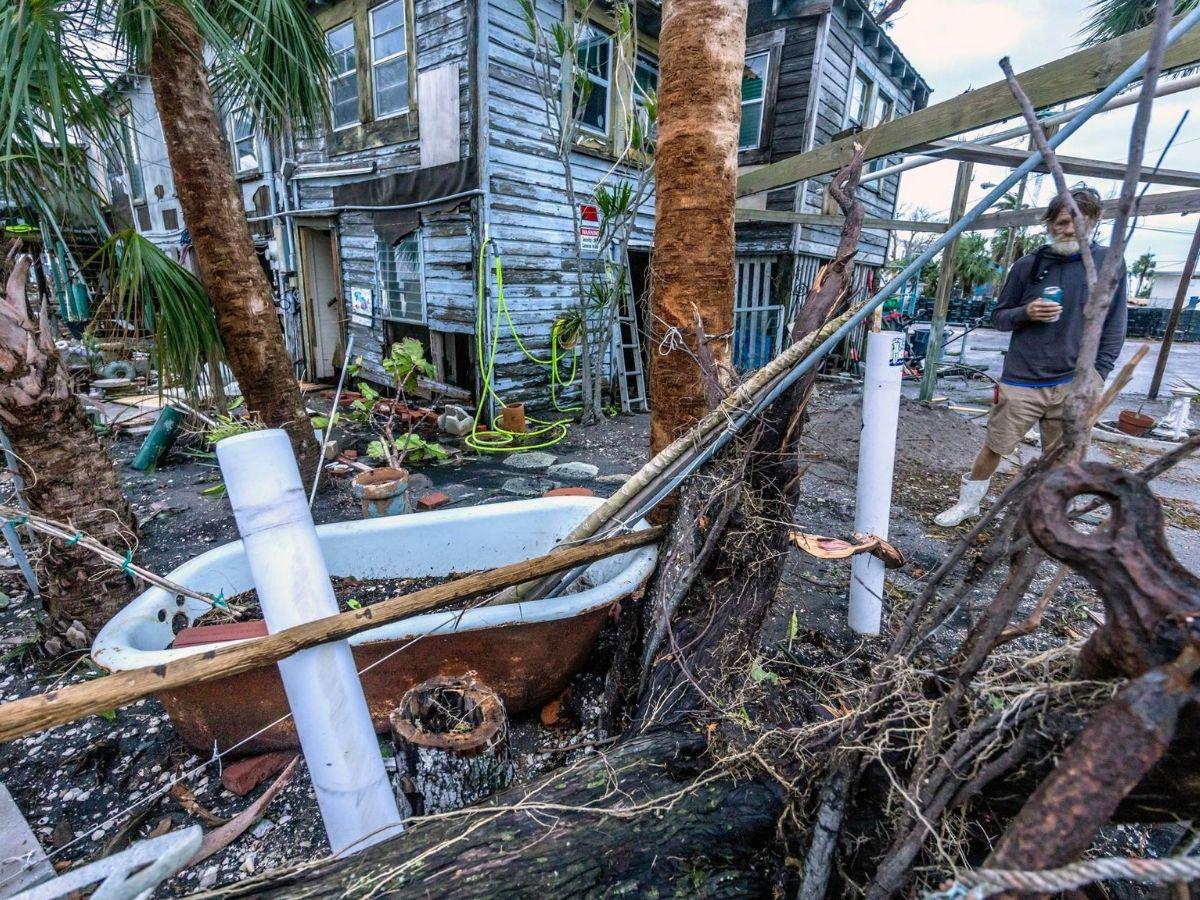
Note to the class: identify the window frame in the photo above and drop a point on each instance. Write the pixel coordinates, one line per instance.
(133, 154)
(761, 102)
(376, 63)
(370, 131)
(859, 76)
(767, 42)
(636, 94)
(233, 141)
(342, 76)
(582, 127)
(382, 246)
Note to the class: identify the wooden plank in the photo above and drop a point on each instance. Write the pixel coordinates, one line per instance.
(1150, 205)
(797, 218)
(1068, 78)
(41, 711)
(1012, 157)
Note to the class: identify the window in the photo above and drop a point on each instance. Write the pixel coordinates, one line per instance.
(860, 100)
(137, 187)
(645, 87)
(242, 143)
(389, 59)
(590, 97)
(754, 89)
(343, 82)
(884, 107)
(399, 273)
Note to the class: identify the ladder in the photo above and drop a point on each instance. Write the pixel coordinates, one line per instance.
(627, 350)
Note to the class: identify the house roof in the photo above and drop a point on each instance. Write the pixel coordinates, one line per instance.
(877, 35)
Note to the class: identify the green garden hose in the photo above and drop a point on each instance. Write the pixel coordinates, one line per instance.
(545, 433)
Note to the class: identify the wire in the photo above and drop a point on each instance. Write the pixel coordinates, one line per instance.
(546, 433)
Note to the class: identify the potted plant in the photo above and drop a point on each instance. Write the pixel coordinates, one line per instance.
(384, 491)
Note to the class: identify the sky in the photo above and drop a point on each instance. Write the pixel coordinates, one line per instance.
(957, 45)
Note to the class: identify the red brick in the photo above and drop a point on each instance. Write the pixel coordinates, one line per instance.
(434, 500)
(570, 492)
(245, 775)
(218, 634)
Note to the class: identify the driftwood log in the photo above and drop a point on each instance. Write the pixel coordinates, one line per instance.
(451, 741)
(650, 817)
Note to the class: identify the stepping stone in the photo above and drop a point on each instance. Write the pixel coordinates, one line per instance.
(574, 471)
(530, 460)
(523, 487)
(618, 478)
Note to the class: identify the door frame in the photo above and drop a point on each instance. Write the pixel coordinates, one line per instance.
(308, 315)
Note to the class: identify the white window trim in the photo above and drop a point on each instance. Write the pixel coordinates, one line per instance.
(135, 161)
(231, 126)
(596, 80)
(762, 101)
(386, 307)
(352, 73)
(375, 63)
(873, 86)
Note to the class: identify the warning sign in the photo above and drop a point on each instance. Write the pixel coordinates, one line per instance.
(589, 227)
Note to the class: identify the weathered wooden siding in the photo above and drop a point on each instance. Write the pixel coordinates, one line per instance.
(443, 35)
(530, 218)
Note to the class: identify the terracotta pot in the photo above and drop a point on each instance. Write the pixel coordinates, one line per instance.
(1134, 423)
(381, 492)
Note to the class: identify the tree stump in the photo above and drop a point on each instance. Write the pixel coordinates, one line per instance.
(451, 738)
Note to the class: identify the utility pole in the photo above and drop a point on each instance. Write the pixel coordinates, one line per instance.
(941, 301)
(1185, 280)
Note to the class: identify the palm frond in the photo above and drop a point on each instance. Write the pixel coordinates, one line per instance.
(159, 298)
(1113, 18)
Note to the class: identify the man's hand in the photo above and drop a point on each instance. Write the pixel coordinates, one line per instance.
(1042, 311)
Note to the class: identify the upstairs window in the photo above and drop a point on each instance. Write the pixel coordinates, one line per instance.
(861, 92)
(754, 88)
(590, 98)
(389, 59)
(645, 87)
(399, 266)
(137, 187)
(343, 82)
(885, 108)
(242, 144)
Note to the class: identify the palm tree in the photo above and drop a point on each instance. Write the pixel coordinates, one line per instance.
(1113, 18)
(270, 58)
(701, 53)
(973, 263)
(1143, 268)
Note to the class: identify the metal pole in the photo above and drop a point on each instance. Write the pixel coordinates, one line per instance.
(945, 285)
(1185, 280)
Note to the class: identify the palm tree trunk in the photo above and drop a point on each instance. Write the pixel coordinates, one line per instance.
(68, 476)
(213, 210)
(701, 51)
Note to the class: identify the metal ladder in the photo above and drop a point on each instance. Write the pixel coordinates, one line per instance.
(627, 350)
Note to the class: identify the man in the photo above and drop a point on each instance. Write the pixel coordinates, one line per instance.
(1040, 362)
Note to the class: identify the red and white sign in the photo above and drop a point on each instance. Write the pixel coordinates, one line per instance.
(589, 227)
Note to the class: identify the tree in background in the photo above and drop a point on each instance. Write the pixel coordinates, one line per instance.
(1143, 268)
(269, 58)
(1113, 18)
(973, 263)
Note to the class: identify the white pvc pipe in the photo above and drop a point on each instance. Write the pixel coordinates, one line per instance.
(323, 690)
(876, 460)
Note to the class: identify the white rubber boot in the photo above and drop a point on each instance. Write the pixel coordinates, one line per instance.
(970, 495)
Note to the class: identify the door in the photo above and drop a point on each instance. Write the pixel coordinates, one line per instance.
(322, 303)
(757, 315)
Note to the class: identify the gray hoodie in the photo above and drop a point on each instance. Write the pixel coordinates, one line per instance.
(1042, 354)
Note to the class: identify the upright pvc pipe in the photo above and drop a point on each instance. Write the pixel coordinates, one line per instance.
(876, 463)
(323, 690)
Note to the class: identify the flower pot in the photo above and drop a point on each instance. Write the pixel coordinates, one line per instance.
(1134, 423)
(381, 492)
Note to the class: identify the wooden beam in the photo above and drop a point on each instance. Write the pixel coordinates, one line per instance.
(1150, 205)
(798, 218)
(1068, 78)
(41, 711)
(1012, 157)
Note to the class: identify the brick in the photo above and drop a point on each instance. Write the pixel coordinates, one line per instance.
(434, 500)
(570, 492)
(244, 775)
(219, 634)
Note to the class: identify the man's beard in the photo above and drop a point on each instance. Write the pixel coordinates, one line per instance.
(1065, 247)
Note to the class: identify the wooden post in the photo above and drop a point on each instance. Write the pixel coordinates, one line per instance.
(941, 302)
(1185, 280)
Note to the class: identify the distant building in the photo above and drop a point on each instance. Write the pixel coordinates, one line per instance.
(1165, 285)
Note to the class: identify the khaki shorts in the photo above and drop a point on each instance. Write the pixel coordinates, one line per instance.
(1019, 408)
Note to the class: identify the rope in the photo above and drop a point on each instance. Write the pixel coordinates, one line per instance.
(983, 883)
(546, 433)
(72, 537)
